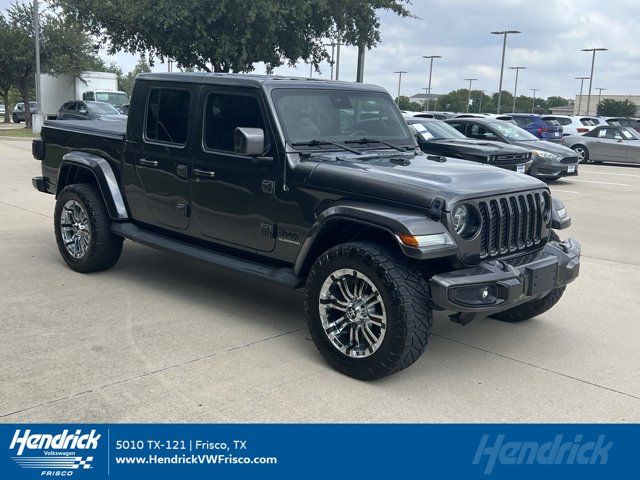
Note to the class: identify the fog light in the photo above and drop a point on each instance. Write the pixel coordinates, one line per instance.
(477, 295)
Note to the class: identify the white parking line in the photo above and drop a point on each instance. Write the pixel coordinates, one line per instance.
(582, 170)
(563, 191)
(601, 183)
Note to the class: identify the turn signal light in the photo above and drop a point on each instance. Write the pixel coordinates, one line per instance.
(419, 241)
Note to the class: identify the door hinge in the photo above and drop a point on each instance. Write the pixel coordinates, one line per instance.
(184, 209)
(267, 230)
(268, 186)
(183, 171)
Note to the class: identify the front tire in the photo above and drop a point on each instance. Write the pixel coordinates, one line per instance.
(83, 230)
(368, 310)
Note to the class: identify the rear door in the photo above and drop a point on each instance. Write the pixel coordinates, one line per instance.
(158, 158)
(233, 196)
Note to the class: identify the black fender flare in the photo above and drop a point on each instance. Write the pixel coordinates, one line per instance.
(105, 178)
(395, 221)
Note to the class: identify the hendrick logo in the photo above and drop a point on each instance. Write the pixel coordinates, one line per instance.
(555, 452)
(52, 453)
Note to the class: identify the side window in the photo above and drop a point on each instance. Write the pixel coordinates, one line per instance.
(87, 96)
(478, 131)
(223, 114)
(458, 126)
(523, 121)
(168, 115)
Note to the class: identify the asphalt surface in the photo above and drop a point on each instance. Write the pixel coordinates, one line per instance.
(162, 338)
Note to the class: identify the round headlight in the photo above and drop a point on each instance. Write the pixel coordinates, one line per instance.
(460, 218)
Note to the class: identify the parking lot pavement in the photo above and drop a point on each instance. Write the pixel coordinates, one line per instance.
(164, 338)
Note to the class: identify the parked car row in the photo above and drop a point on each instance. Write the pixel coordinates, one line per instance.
(496, 142)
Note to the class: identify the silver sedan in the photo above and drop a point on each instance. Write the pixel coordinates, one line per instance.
(607, 143)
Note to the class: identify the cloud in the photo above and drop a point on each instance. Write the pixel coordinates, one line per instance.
(553, 34)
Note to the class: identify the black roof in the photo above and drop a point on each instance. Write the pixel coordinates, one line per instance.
(257, 81)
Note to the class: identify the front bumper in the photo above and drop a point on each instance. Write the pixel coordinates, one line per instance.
(551, 170)
(498, 285)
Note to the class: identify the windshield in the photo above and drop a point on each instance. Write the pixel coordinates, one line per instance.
(436, 130)
(513, 132)
(114, 98)
(630, 133)
(102, 108)
(339, 115)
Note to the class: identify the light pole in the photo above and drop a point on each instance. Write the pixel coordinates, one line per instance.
(582, 79)
(430, 57)
(515, 88)
(482, 92)
(400, 72)
(593, 61)
(533, 105)
(424, 104)
(338, 56)
(36, 28)
(599, 95)
(504, 48)
(469, 92)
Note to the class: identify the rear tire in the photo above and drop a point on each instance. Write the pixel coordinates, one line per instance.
(536, 307)
(377, 293)
(83, 230)
(583, 153)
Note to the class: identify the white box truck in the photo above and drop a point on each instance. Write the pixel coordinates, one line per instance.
(100, 86)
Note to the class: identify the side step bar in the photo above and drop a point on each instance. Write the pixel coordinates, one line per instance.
(284, 276)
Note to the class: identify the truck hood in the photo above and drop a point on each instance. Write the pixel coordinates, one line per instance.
(547, 147)
(479, 147)
(416, 179)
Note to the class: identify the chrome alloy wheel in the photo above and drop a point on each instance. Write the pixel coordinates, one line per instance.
(352, 313)
(74, 229)
(581, 154)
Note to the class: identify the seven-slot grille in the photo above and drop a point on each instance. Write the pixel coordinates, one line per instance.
(510, 223)
(512, 158)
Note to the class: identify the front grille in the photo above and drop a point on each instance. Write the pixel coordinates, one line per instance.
(571, 159)
(510, 223)
(512, 158)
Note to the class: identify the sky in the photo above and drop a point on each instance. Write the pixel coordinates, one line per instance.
(553, 34)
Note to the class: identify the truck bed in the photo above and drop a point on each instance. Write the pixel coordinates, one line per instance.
(99, 127)
(99, 137)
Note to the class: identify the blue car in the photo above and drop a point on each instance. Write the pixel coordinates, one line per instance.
(548, 129)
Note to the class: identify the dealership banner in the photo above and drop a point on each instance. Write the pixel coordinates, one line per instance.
(257, 451)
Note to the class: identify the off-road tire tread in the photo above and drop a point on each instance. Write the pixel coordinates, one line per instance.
(105, 248)
(405, 281)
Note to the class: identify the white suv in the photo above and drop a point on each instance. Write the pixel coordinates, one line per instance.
(571, 125)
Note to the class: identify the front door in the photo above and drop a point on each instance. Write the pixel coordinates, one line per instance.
(233, 197)
(158, 191)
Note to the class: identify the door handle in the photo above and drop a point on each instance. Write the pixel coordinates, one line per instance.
(204, 173)
(147, 163)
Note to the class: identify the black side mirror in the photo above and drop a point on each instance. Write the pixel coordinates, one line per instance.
(249, 141)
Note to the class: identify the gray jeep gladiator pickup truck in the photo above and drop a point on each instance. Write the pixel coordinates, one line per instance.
(317, 185)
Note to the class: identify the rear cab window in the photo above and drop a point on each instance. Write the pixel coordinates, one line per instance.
(167, 115)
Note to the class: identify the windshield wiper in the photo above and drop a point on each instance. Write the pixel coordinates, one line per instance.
(313, 143)
(376, 140)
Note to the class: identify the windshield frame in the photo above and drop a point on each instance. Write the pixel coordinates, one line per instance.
(273, 95)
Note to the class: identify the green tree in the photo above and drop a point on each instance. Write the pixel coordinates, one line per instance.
(555, 101)
(127, 82)
(617, 108)
(65, 48)
(407, 104)
(231, 35)
(8, 71)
